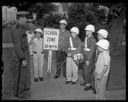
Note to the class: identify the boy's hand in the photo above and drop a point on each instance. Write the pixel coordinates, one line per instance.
(99, 76)
(24, 63)
(69, 54)
(87, 63)
(33, 37)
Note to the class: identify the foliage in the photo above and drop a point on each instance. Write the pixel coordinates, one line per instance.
(42, 8)
(51, 20)
(80, 16)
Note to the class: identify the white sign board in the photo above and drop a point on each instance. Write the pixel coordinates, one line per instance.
(51, 39)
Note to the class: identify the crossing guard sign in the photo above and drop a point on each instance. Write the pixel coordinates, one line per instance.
(51, 39)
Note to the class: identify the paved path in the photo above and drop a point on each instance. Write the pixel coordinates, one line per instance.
(56, 89)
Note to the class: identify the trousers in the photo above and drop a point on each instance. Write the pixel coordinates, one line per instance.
(71, 70)
(60, 57)
(38, 61)
(100, 86)
(88, 72)
(22, 78)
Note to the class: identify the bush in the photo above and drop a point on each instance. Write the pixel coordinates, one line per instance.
(80, 16)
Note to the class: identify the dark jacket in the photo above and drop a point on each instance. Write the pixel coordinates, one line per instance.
(91, 43)
(19, 38)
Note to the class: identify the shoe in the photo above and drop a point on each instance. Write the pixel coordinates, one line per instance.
(64, 75)
(35, 79)
(87, 88)
(94, 91)
(73, 83)
(56, 76)
(41, 78)
(22, 97)
(67, 82)
(83, 84)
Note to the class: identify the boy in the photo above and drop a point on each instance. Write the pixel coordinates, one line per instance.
(102, 34)
(102, 69)
(89, 52)
(38, 55)
(73, 49)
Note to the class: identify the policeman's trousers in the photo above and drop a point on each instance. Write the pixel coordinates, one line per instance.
(100, 86)
(38, 61)
(71, 70)
(22, 78)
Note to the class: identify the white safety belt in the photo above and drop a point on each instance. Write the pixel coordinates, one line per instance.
(71, 44)
(86, 47)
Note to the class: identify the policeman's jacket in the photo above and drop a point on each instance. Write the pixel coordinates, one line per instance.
(19, 38)
(91, 44)
(63, 38)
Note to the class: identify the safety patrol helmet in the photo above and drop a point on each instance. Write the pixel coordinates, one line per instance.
(75, 30)
(103, 44)
(90, 27)
(63, 22)
(39, 30)
(103, 32)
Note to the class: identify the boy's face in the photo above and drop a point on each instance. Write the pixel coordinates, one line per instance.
(100, 37)
(22, 20)
(88, 32)
(62, 26)
(73, 34)
(38, 34)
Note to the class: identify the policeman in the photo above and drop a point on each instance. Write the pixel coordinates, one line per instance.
(21, 59)
(89, 52)
(60, 55)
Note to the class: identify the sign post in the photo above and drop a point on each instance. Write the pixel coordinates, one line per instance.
(51, 39)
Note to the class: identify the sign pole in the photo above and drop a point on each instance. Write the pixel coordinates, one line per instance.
(49, 62)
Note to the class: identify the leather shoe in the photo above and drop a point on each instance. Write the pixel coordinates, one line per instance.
(56, 76)
(22, 97)
(41, 78)
(94, 91)
(35, 79)
(83, 84)
(87, 88)
(73, 83)
(67, 82)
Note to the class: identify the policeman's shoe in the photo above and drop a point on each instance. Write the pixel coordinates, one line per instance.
(22, 97)
(67, 82)
(94, 91)
(35, 79)
(73, 83)
(87, 88)
(83, 84)
(56, 76)
(41, 78)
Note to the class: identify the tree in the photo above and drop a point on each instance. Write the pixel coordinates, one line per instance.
(42, 8)
(80, 16)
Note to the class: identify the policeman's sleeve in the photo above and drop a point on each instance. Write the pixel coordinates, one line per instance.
(17, 45)
(92, 48)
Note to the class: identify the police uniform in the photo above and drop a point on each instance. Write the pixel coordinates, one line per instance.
(22, 81)
(61, 56)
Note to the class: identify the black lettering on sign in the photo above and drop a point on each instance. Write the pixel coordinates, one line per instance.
(50, 39)
(46, 46)
(47, 32)
(53, 33)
